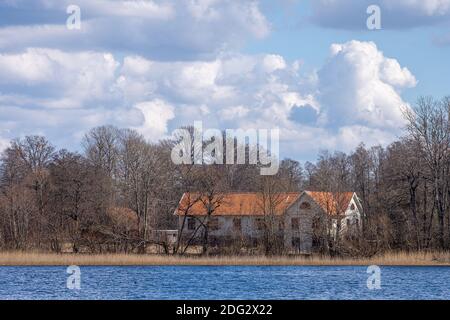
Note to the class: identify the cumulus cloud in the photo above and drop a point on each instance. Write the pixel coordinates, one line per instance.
(232, 86)
(75, 91)
(156, 65)
(234, 112)
(58, 79)
(156, 115)
(351, 14)
(349, 137)
(355, 96)
(359, 85)
(163, 30)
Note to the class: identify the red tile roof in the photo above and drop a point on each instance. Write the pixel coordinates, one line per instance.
(236, 204)
(251, 204)
(333, 203)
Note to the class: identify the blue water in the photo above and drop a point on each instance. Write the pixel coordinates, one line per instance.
(206, 282)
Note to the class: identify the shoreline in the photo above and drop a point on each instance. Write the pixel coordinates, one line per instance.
(53, 259)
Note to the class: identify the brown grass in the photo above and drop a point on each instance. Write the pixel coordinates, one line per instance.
(394, 259)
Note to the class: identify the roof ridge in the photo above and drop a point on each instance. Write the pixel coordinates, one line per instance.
(248, 192)
(314, 191)
(243, 203)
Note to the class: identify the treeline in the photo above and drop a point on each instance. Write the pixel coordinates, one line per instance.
(114, 195)
(405, 187)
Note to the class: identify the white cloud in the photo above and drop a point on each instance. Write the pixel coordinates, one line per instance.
(355, 96)
(349, 137)
(392, 73)
(156, 115)
(32, 66)
(84, 89)
(359, 85)
(156, 65)
(235, 112)
(136, 66)
(163, 30)
(273, 62)
(69, 78)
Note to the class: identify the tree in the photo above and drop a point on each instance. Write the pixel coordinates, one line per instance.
(272, 193)
(291, 172)
(78, 201)
(101, 146)
(428, 124)
(212, 194)
(34, 154)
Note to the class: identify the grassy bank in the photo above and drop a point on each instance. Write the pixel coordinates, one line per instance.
(394, 259)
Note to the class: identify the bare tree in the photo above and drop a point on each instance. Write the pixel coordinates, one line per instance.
(101, 148)
(428, 124)
(271, 195)
(35, 153)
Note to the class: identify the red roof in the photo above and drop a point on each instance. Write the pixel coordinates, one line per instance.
(236, 204)
(251, 203)
(333, 203)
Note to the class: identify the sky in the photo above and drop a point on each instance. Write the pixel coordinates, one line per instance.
(313, 69)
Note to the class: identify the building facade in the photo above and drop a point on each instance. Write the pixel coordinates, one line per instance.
(295, 219)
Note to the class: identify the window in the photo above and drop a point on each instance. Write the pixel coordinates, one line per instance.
(213, 224)
(191, 223)
(294, 224)
(352, 207)
(260, 224)
(316, 224)
(237, 225)
(305, 205)
(281, 225)
(348, 223)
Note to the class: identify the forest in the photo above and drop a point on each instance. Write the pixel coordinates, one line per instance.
(111, 196)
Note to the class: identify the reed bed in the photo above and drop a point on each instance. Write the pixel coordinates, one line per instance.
(393, 259)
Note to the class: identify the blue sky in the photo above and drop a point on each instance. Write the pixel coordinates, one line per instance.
(312, 69)
(294, 37)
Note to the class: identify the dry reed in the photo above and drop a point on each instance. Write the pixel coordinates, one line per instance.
(18, 258)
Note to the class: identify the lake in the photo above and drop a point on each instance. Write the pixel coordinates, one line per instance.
(228, 282)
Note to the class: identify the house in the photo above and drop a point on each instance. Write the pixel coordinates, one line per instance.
(296, 217)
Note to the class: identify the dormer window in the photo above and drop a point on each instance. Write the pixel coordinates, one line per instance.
(305, 205)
